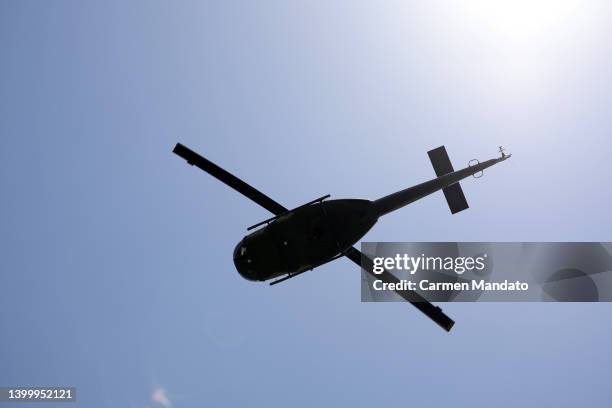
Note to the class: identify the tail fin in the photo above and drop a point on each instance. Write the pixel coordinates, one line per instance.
(453, 193)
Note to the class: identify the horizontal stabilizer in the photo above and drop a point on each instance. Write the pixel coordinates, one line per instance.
(455, 198)
(453, 193)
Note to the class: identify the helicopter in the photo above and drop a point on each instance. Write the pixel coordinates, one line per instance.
(298, 240)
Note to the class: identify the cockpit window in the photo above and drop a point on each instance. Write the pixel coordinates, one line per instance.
(242, 254)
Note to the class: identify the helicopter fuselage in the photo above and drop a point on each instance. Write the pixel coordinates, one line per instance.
(304, 238)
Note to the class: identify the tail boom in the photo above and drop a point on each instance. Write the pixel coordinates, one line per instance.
(402, 198)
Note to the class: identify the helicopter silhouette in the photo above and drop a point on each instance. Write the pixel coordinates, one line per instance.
(298, 240)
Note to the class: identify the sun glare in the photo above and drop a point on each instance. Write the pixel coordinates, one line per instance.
(519, 48)
(521, 22)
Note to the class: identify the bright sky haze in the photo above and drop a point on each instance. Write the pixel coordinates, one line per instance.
(116, 256)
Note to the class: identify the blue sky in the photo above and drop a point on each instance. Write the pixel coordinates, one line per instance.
(116, 261)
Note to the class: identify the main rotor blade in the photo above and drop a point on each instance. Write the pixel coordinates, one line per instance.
(418, 301)
(234, 182)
